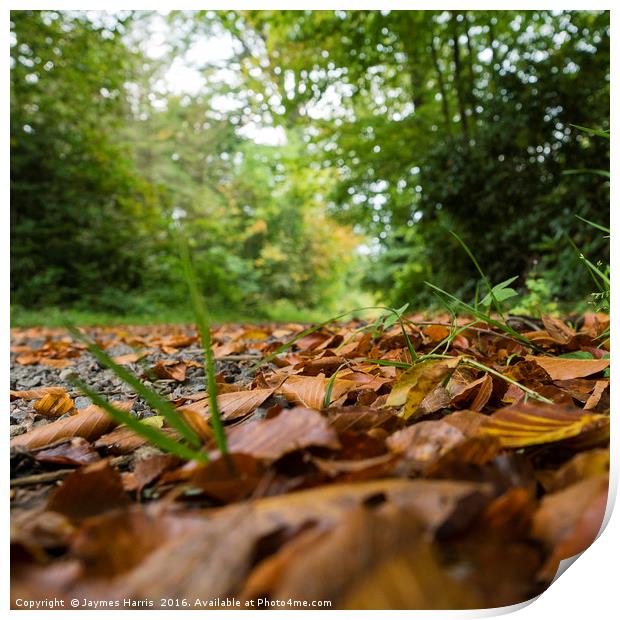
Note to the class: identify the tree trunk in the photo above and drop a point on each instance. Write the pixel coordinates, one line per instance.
(456, 51)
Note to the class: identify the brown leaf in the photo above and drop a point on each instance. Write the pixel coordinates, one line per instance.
(89, 491)
(561, 368)
(73, 451)
(557, 329)
(568, 521)
(424, 442)
(229, 479)
(291, 430)
(533, 424)
(233, 405)
(37, 392)
(310, 391)
(123, 440)
(89, 423)
(148, 469)
(363, 562)
(53, 405)
(474, 395)
(581, 466)
(169, 369)
(128, 358)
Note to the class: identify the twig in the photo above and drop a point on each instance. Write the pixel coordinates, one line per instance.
(59, 474)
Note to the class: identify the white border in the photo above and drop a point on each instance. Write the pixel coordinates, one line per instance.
(590, 587)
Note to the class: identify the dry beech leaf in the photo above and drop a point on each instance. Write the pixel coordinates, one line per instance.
(310, 391)
(37, 392)
(89, 491)
(54, 405)
(568, 521)
(561, 368)
(533, 424)
(291, 430)
(424, 442)
(73, 451)
(232, 405)
(348, 559)
(229, 479)
(123, 440)
(89, 423)
(169, 369)
(581, 466)
(558, 330)
(128, 358)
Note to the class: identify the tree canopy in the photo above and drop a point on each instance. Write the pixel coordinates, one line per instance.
(396, 126)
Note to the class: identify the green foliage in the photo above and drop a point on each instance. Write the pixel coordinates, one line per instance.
(396, 127)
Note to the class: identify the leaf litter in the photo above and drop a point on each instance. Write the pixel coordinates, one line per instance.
(355, 473)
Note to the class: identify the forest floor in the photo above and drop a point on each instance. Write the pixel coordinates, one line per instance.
(355, 479)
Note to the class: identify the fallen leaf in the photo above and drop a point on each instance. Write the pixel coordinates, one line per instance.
(415, 383)
(310, 391)
(54, 405)
(424, 442)
(89, 423)
(291, 430)
(568, 521)
(232, 405)
(534, 424)
(560, 368)
(89, 491)
(73, 451)
(37, 392)
(169, 369)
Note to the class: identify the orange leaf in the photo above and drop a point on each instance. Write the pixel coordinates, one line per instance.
(168, 369)
(37, 392)
(54, 405)
(561, 368)
(310, 391)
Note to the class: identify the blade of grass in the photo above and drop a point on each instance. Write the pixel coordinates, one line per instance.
(482, 274)
(486, 318)
(204, 329)
(594, 132)
(330, 386)
(160, 404)
(594, 224)
(152, 434)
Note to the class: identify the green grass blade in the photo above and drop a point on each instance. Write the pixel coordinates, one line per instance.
(479, 366)
(204, 329)
(602, 173)
(594, 224)
(160, 404)
(480, 271)
(593, 132)
(485, 317)
(150, 433)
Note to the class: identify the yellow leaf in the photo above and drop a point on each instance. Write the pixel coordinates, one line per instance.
(417, 382)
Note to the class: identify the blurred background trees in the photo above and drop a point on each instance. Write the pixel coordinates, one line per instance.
(385, 130)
